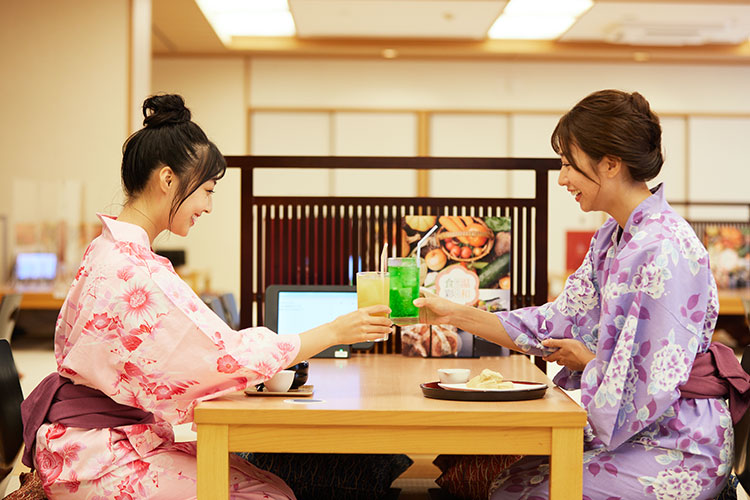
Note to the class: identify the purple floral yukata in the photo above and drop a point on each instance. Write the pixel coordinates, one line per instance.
(131, 328)
(646, 305)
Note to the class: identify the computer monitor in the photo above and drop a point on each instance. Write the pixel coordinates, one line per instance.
(294, 309)
(35, 266)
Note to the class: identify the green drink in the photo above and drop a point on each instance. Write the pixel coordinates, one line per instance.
(403, 289)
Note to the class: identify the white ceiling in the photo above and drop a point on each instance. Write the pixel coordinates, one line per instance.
(633, 23)
(447, 19)
(657, 23)
(711, 31)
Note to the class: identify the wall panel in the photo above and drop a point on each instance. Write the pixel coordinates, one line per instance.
(374, 134)
(468, 135)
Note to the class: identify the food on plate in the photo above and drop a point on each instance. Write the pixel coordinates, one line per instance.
(415, 340)
(489, 379)
(493, 304)
(444, 340)
(435, 259)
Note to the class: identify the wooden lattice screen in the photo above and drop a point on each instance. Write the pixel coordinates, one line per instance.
(326, 240)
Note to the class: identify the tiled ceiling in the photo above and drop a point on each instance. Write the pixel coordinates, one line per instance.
(676, 30)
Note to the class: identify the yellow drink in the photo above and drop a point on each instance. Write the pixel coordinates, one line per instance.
(372, 289)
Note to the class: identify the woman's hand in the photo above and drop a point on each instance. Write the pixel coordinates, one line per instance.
(434, 310)
(570, 353)
(362, 326)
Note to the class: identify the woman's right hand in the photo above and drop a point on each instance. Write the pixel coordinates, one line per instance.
(362, 326)
(434, 310)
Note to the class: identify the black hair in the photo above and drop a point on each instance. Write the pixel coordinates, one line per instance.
(613, 123)
(170, 138)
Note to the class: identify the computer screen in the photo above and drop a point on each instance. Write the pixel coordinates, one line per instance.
(299, 311)
(36, 266)
(294, 309)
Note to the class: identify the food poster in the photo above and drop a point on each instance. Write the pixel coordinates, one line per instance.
(729, 254)
(466, 260)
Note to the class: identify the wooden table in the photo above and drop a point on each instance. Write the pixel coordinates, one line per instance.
(373, 404)
(731, 301)
(36, 299)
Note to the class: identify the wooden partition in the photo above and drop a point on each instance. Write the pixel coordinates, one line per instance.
(326, 240)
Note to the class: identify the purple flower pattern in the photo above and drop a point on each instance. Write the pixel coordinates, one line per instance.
(646, 304)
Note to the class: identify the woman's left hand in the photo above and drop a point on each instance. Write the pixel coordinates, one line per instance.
(571, 354)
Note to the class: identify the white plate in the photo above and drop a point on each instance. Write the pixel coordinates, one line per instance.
(517, 386)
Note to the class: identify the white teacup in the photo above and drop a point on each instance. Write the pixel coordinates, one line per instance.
(453, 375)
(281, 382)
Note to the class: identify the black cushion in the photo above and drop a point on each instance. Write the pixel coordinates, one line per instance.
(11, 396)
(334, 476)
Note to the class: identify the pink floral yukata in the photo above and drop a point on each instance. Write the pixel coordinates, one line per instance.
(645, 304)
(131, 328)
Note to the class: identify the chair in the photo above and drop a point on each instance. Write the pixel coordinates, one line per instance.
(230, 310)
(741, 434)
(11, 426)
(212, 301)
(10, 305)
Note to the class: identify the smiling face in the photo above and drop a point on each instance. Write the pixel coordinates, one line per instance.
(583, 182)
(194, 206)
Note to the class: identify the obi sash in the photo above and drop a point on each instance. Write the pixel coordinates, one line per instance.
(58, 400)
(717, 373)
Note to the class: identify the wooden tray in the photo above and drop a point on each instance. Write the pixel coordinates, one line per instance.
(305, 390)
(434, 391)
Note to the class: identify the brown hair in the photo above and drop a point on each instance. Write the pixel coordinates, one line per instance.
(613, 123)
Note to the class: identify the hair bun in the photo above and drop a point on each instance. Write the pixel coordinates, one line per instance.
(640, 104)
(159, 110)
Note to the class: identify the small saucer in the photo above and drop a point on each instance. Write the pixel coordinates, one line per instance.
(305, 390)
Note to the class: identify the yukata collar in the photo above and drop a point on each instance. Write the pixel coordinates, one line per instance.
(653, 204)
(124, 231)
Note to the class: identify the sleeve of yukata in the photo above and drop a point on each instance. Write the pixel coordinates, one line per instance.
(655, 308)
(572, 315)
(153, 344)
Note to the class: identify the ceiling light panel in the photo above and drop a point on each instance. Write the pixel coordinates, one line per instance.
(538, 19)
(446, 19)
(248, 18)
(570, 8)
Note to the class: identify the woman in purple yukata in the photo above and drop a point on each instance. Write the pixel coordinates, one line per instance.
(137, 349)
(628, 325)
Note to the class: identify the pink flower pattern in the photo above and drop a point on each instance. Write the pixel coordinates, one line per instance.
(133, 329)
(227, 364)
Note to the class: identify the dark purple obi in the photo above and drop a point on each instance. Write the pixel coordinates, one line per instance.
(716, 373)
(58, 399)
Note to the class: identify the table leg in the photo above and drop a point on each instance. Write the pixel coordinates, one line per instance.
(566, 464)
(213, 461)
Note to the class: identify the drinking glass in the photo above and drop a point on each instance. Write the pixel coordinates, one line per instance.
(403, 290)
(372, 290)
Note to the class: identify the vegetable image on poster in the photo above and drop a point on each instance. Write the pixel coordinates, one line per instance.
(467, 260)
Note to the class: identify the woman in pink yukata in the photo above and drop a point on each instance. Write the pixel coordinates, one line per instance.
(627, 326)
(133, 330)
